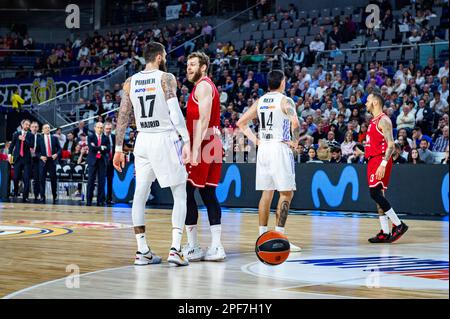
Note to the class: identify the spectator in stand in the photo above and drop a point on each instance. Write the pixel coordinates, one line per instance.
(312, 156)
(80, 129)
(397, 157)
(414, 158)
(443, 71)
(348, 144)
(406, 118)
(439, 105)
(358, 155)
(441, 143)
(362, 133)
(425, 154)
(445, 159)
(417, 136)
(17, 101)
(424, 117)
(319, 134)
(336, 156)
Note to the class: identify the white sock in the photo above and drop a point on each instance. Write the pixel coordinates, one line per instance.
(142, 243)
(262, 230)
(393, 217)
(191, 232)
(384, 222)
(279, 229)
(177, 234)
(216, 232)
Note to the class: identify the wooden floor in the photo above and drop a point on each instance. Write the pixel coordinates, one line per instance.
(41, 245)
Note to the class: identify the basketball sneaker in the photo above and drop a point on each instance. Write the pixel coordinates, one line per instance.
(398, 231)
(215, 254)
(176, 257)
(146, 259)
(193, 253)
(294, 249)
(380, 238)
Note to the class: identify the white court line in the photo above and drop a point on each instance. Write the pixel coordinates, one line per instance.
(10, 296)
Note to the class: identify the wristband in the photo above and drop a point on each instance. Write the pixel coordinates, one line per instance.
(118, 149)
(383, 163)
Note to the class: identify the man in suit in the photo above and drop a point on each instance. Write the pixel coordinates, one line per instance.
(48, 150)
(110, 168)
(80, 129)
(34, 129)
(97, 163)
(70, 143)
(21, 158)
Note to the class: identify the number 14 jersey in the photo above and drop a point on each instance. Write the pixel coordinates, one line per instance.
(151, 111)
(274, 124)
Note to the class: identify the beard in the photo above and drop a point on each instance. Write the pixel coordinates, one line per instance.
(197, 76)
(163, 66)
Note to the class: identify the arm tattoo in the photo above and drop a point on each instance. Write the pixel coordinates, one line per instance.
(283, 213)
(291, 113)
(169, 85)
(125, 111)
(386, 126)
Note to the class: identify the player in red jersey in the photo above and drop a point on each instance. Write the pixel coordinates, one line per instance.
(378, 151)
(203, 123)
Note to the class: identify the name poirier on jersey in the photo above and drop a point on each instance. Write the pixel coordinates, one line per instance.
(142, 122)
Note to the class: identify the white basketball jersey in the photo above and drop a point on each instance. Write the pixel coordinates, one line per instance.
(274, 125)
(151, 111)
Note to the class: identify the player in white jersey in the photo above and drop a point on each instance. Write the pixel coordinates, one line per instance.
(275, 168)
(158, 151)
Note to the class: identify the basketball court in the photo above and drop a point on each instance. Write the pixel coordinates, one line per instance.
(45, 247)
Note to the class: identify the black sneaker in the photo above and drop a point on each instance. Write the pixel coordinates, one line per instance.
(380, 238)
(398, 231)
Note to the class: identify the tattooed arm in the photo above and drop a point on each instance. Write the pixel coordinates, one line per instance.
(288, 107)
(125, 111)
(385, 125)
(169, 86)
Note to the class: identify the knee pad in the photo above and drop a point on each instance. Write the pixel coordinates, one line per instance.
(377, 196)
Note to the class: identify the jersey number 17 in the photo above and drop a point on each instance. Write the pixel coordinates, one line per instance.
(148, 103)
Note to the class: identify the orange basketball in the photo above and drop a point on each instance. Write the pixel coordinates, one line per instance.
(272, 248)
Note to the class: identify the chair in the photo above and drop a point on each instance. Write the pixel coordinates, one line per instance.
(274, 25)
(291, 33)
(263, 26)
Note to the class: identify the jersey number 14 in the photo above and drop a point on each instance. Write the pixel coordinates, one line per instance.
(269, 122)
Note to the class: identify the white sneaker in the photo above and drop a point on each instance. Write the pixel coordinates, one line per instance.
(176, 257)
(146, 259)
(215, 254)
(295, 249)
(193, 253)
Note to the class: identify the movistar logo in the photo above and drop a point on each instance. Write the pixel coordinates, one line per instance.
(334, 195)
(444, 193)
(232, 175)
(121, 187)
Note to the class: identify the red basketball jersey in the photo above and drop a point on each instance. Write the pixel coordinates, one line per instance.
(192, 113)
(375, 142)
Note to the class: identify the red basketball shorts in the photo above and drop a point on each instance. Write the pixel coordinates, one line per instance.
(372, 167)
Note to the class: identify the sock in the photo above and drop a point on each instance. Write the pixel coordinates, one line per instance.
(191, 232)
(142, 243)
(177, 234)
(216, 231)
(262, 230)
(384, 222)
(393, 217)
(279, 229)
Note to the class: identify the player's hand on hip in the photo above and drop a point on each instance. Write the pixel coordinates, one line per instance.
(119, 161)
(380, 172)
(186, 154)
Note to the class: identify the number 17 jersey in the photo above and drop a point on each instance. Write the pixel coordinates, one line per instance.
(274, 124)
(151, 111)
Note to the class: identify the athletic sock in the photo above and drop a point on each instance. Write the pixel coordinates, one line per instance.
(191, 232)
(142, 243)
(216, 231)
(384, 222)
(262, 230)
(393, 217)
(279, 229)
(177, 234)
